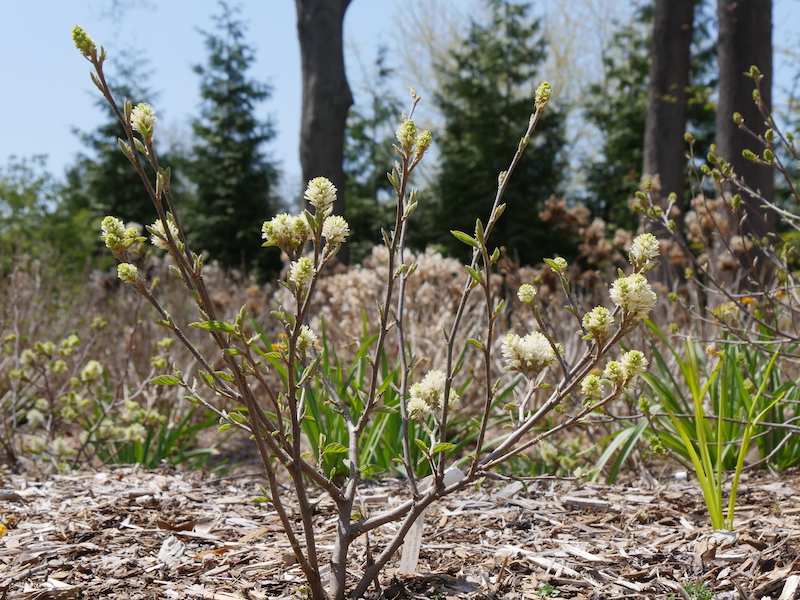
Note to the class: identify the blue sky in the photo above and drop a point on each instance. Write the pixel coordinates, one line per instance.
(46, 89)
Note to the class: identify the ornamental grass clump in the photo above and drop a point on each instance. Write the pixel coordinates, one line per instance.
(276, 410)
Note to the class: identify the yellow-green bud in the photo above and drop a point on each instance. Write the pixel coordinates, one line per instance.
(82, 41)
(543, 93)
(407, 135)
(424, 140)
(526, 293)
(128, 272)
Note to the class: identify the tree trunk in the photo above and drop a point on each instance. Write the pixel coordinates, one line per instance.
(326, 94)
(665, 124)
(745, 39)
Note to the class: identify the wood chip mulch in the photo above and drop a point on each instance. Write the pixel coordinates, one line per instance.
(133, 534)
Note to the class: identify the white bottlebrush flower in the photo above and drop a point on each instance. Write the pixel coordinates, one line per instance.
(616, 373)
(321, 194)
(128, 273)
(35, 418)
(335, 229)
(301, 272)
(598, 321)
(529, 354)
(643, 249)
(633, 295)
(287, 232)
(592, 387)
(135, 432)
(431, 391)
(27, 358)
(418, 408)
(306, 342)
(143, 119)
(37, 444)
(634, 362)
(158, 236)
(60, 447)
(92, 371)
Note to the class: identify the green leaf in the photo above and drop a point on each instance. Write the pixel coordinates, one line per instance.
(371, 469)
(497, 309)
(463, 237)
(476, 276)
(335, 448)
(479, 232)
(215, 326)
(225, 376)
(477, 343)
(165, 380)
(421, 445)
(442, 447)
(386, 410)
(206, 378)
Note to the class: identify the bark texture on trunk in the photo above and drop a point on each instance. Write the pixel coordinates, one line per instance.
(326, 93)
(665, 123)
(745, 39)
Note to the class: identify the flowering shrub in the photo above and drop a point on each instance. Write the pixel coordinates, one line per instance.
(238, 373)
(71, 387)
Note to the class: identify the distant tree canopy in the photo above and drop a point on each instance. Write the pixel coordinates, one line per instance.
(486, 99)
(617, 107)
(233, 179)
(34, 222)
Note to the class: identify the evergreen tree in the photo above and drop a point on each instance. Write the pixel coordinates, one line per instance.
(486, 98)
(233, 177)
(369, 156)
(617, 106)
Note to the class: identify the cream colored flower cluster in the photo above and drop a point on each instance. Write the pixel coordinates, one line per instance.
(427, 396)
(290, 233)
(529, 354)
(617, 374)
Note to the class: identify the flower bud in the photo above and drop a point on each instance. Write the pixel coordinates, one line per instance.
(112, 232)
(128, 273)
(82, 41)
(543, 93)
(407, 135)
(526, 293)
